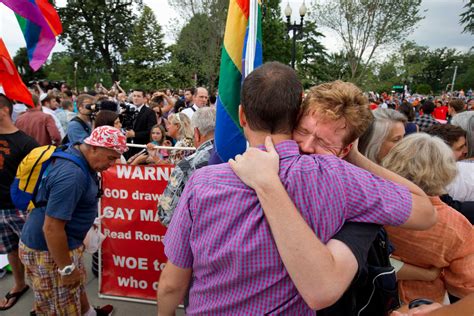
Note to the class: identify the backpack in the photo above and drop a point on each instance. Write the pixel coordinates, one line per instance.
(375, 292)
(378, 293)
(84, 125)
(33, 169)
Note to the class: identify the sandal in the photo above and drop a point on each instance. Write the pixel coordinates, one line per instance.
(14, 297)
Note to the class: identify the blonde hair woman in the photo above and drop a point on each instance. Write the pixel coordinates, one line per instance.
(179, 128)
(449, 245)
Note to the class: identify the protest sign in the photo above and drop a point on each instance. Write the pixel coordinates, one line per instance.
(133, 253)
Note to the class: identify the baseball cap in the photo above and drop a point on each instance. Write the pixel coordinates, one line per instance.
(43, 96)
(108, 137)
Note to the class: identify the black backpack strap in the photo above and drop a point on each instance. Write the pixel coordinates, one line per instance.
(83, 124)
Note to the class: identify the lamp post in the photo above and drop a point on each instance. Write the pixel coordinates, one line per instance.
(297, 29)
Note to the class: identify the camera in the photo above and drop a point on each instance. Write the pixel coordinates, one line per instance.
(128, 115)
(93, 107)
(46, 84)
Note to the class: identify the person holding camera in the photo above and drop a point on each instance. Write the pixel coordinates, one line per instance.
(80, 126)
(142, 124)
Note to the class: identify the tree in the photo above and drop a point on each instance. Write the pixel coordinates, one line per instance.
(98, 31)
(23, 65)
(467, 17)
(439, 67)
(312, 66)
(197, 51)
(337, 67)
(465, 78)
(276, 43)
(366, 25)
(143, 62)
(61, 68)
(189, 8)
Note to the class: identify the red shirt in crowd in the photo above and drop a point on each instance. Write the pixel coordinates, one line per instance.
(40, 126)
(440, 112)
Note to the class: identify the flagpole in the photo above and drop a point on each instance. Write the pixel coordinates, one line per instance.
(75, 76)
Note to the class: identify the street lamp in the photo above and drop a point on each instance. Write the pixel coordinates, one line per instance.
(297, 29)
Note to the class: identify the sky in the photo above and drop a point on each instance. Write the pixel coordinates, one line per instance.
(439, 28)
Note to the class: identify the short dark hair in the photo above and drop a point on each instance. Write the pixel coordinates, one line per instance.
(407, 109)
(179, 106)
(457, 105)
(158, 99)
(66, 104)
(6, 102)
(449, 133)
(140, 90)
(271, 98)
(192, 90)
(428, 107)
(212, 99)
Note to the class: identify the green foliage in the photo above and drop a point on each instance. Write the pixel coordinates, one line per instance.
(423, 69)
(337, 67)
(143, 62)
(423, 88)
(98, 31)
(197, 52)
(61, 68)
(465, 78)
(276, 43)
(365, 25)
(312, 67)
(467, 17)
(22, 64)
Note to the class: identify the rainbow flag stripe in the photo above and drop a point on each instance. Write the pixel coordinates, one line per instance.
(241, 53)
(40, 24)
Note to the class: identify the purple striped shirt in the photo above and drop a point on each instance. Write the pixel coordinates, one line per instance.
(219, 229)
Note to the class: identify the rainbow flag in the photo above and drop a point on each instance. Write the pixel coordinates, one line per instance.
(40, 25)
(241, 54)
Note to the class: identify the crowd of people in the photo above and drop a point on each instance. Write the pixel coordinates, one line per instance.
(332, 175)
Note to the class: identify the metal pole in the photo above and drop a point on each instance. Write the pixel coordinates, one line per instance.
(454, 78)
(75, 76)
(293, 48)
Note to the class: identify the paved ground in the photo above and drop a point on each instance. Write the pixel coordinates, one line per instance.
(121, 308)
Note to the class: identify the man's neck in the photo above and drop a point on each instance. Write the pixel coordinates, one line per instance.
(258, 138)
(84, 117)
(7, 127)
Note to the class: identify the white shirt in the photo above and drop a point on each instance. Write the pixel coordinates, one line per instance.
(56, 120)
(139, 108)
(190, 111)
(462, 188)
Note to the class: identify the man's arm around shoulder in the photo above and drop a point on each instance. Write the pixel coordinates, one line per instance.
(423, 215)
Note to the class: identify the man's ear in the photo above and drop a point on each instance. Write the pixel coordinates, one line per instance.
(197, 135)
(346, 150)
(242, 118)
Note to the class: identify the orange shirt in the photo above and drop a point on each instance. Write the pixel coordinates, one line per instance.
(449, 245)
